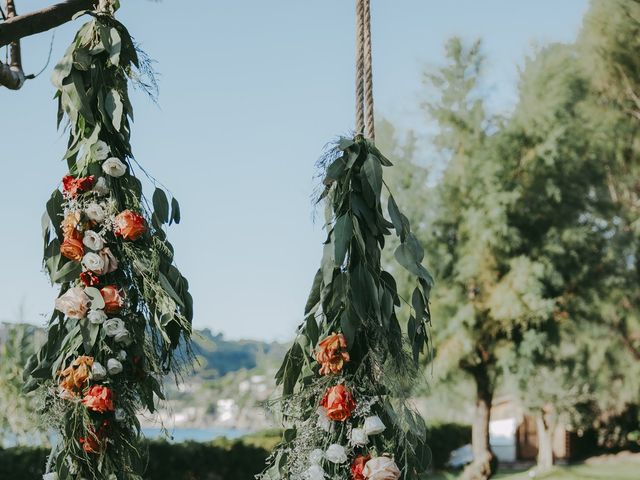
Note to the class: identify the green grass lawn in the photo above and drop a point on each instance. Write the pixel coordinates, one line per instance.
(623, 470)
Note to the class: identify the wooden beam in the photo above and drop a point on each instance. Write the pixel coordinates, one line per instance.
(13, 29)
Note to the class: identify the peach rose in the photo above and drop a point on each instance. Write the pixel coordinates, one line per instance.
(381, 468)
(76, 375)
(74, 303)
(113, 299)
(331, 354)
(99, 399)
(357, 467)
(129, 225)
(72, 248)
(338, 403)
(70, 224)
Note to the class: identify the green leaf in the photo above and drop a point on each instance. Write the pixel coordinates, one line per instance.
(342, 232)
(407, 256)
(67, 273)
(89, 333)
(312, 330)
(161, 205)
(97, 301)
(349, 324)
(335, 170)
(115, 46)
(373, 173)
(113, 105)
(175, 211)
(400, 222)
(170, 290)
(314, 294)
(418, 303)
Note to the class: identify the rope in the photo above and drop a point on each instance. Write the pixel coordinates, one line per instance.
(364, 71)
(360, 39)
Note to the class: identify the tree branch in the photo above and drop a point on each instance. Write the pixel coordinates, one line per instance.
(12, 76)
(41, 20)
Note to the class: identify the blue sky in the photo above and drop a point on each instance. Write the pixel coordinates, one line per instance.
(250, 92)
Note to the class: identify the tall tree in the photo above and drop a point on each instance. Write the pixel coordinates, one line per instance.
(468, 221)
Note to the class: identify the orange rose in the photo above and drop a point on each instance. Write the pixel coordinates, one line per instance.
(331, 354)
(338, 402)
(99, 399)
(70, 224)
(72, 248)
(129, 225)
(357, 467)
(113, 299)
(76, 375)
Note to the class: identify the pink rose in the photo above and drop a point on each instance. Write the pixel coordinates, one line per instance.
(74, 303)
(381, 468)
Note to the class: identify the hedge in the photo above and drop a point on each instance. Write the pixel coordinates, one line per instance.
(221, 459)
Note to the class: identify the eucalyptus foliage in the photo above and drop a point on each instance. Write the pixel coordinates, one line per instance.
(92, 93)
(352, 294)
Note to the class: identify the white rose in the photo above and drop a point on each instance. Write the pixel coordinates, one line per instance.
(314, 472)
(122, 355)
(94, 262)
(100, 150)
(373, 425)
(359, 437)
(50, 476)
(97, 317)
(114, 367)
(381, 468)
(74, 303)
(114, 167)
(95, 212)
(123, 338)
(114, 326)
(120, 415)
(98, 372)
(100, 188)
(110, 262)
(336, 453)
(92, 240)
(323, 421)
(316, 456)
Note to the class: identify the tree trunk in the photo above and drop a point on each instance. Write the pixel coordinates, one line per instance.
(485, 463)
(545, 429)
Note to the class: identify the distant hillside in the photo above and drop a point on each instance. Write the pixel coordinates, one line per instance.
(218, 356)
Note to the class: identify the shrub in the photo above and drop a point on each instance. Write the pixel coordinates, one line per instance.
(445, 438)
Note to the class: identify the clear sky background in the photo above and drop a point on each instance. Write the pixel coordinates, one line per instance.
(250, 92)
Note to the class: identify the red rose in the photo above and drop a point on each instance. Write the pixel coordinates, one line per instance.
(338, 402)
(72, 248)
(94, 441)
(113, 299)
(129, 225)
(357, 467)
(99, 399)
(73, 186)
(89, 279)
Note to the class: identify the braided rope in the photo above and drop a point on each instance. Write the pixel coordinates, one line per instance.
(368, 73)
(360, 41)
(364, 71)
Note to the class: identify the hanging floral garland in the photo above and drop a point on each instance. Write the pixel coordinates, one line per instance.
(347, 376)
(123, 308)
